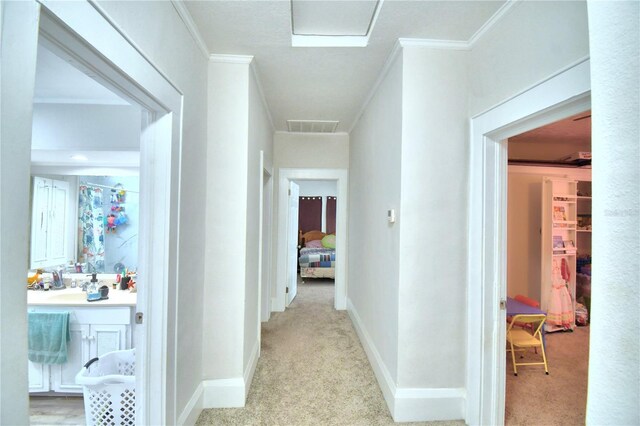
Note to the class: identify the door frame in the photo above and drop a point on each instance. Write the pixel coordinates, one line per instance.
(264, 257)
(340, 176)
(85, 33)
(560, 96)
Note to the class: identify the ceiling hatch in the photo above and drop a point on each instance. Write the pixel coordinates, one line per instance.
(312, 126)
(333, 23)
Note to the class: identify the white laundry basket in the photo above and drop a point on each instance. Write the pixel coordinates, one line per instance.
(109, 385)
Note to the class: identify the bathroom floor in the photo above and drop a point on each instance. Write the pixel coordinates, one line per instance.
(56, 410)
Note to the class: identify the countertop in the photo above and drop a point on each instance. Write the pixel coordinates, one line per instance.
(77, 297)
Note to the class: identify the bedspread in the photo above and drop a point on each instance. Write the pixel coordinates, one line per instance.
(317, 258)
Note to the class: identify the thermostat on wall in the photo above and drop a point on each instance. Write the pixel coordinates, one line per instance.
(391, 216)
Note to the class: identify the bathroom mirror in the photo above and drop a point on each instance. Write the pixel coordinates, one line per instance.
(108, 208)
(89, 221)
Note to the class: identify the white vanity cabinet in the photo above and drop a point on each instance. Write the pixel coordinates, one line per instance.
(94, 332)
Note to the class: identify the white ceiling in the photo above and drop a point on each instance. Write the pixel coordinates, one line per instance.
(60, 82)
(313, 83)
(312, 17)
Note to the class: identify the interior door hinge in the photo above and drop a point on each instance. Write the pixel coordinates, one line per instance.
(289, 192)
(287, 290)
(503, 305)
(138, 317)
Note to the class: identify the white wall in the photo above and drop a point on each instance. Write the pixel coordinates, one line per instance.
(433, 217)
(614, 355)
(260, 139)
(317, 188)
(374, 187)
(159, 32)
(311, 150)
(19, 38)
(86, 127)
(226, 231)
(524, 222)
(532, 42)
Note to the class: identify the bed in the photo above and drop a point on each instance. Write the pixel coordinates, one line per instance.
(315, 262)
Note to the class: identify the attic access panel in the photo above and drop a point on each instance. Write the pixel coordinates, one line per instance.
(348, 23)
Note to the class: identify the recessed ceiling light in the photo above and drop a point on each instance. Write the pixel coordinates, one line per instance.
(79, 157)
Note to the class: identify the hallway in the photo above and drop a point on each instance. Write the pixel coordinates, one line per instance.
(313, 370)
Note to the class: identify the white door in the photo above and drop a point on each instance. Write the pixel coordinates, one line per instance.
(57, 231)
(40, 221)
(292, 242)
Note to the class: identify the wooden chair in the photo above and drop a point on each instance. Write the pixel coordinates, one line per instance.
(523, 339)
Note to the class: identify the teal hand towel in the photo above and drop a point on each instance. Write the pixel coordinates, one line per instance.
(48, 337)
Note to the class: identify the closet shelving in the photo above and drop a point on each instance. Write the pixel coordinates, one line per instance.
(559, 242)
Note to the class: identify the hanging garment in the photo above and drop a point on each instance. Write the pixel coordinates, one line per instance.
(560, 312)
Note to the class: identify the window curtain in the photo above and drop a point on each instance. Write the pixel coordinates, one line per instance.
(91, 227)
(331, 215)
(310, 214)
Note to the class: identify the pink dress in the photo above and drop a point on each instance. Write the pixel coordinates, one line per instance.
(560, 313)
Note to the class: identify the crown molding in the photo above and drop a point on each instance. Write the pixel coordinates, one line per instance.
(187, 19)
(434, 44)
(397, 48)
(491, 21)
(231, 59)
(254, 69)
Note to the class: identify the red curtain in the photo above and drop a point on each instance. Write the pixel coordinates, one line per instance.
(331, 215)
(310, 214)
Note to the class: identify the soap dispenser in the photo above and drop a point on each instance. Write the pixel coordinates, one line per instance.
(93, 291)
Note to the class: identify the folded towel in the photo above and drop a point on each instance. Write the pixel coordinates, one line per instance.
(48, 337)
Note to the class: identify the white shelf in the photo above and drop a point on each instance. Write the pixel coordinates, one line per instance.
(584, 197)
(583, 230)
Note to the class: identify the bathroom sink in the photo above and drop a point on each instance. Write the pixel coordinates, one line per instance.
(68, 297)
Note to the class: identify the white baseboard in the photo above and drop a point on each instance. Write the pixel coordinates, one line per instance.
(275, 306)
(409, 404)
(193, 409)
(230, 393)
(223, 393)
(428, 404)
(385, 381)
(251, 368)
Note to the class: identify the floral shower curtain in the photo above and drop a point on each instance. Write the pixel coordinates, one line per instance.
(91, 224)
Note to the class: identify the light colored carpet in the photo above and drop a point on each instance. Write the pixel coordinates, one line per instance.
(533, 398)
(313, 370)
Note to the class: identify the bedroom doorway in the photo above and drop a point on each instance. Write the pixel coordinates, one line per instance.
(286, 240)
(565, 94)
(316, 230)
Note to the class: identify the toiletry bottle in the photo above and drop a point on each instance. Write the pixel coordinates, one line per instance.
(93, 290)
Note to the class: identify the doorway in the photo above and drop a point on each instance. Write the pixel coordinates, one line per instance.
(561, 96)
(283, 270)
(86, 143)
(83, 35)
(549, 223)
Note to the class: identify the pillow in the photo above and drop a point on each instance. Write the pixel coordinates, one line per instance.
(313, 244)
(329, 241)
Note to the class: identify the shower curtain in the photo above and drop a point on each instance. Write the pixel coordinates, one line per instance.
(91, 227)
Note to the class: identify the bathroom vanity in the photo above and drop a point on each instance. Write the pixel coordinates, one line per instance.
(95, 328)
